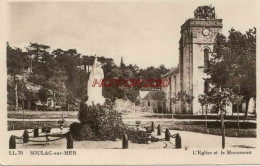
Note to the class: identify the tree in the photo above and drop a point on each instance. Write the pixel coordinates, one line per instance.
(16, 63)
(220, 98)
(43, 94)
(235, 58)
(184, 97)
(39, 52)
(189, 99)
(236, 99)
(204, 101)
(153, 73)
(59, 71)
(11, 92)
(216, 99)
(17, 60)
(174, 100)
(87, 61)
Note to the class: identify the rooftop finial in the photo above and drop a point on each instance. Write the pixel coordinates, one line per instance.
(204, 12)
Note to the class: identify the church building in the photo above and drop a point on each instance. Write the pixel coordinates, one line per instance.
(195, 49)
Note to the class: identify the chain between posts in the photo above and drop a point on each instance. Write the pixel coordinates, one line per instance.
(48, 140)
(162, 139)
(16, 137)
(173, 136)
(30, 131)
(25, 139)
(137, 124)
(162, 130)
(20, 139)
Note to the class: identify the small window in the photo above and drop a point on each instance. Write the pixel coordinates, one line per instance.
(206, 57)
(148, 103)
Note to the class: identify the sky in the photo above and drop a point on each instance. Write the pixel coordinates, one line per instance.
(145, 33)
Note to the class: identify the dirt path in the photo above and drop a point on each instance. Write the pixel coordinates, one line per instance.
(190, 140)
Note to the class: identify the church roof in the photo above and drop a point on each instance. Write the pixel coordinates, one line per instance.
(170, 73)
(154, 95)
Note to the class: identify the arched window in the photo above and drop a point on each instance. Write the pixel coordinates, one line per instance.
(149, 104)
(206, 57)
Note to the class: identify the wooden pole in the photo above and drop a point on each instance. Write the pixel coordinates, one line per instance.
(16, 94)
(23, 115)
(68, 112)
(207, 118)
(223, 129)
(238, 128)
(157, 109)
(172, 115)
(162, 109)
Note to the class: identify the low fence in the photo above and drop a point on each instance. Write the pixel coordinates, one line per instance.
(150, 130)
(47, 131)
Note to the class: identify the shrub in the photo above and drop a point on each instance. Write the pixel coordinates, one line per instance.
(106, 124)
(101, 120)
(81, 132)
(86, 133)
(136, 136)
(75, 129)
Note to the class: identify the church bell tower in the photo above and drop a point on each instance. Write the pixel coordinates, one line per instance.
(195, 48)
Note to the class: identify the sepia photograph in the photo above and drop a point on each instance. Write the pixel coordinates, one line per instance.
(175, 77)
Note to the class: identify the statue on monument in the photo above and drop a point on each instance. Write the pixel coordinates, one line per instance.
(204, 12)
(95, 93)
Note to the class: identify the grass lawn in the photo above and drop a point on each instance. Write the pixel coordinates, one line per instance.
(247, 129)
(41, 114)
(18, 125)
(214, 116)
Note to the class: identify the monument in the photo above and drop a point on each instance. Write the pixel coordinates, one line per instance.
(95, 92)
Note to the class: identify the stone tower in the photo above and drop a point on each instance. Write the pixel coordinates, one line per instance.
(195, 48)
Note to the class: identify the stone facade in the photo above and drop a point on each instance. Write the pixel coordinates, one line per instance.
(171, 90)
(195, 50)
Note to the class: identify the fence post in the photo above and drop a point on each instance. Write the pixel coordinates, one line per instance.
(167, 135)
(178, 141)
(36, 131)
(125, 141)
(148, 138)
(25, 136)
(159, 130)
(43, 127)
(152, 126)
(69, 141)
(48, 129)
(12, 142)
(48, 137)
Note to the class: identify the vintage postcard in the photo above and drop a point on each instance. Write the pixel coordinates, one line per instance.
(129, 82)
